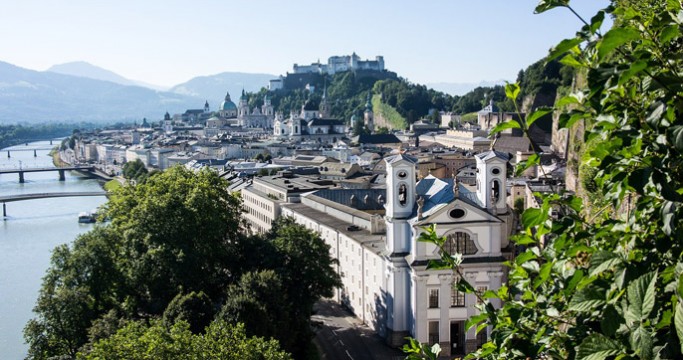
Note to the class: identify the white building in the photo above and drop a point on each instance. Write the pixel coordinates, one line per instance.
(374, 235)
(343, 63)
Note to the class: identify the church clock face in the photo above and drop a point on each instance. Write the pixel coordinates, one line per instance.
(402, 174)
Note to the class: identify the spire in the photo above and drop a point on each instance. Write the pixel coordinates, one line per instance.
(368, 104)
(227, 96)
(206, 103)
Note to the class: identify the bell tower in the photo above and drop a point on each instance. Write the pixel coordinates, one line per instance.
(399, 209)
(491, 181)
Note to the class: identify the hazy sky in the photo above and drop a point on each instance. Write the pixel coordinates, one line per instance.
(168, 42)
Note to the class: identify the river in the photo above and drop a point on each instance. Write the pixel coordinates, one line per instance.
(27, 236)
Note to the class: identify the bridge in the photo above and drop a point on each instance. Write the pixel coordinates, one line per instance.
(61, 170)
(20, 197)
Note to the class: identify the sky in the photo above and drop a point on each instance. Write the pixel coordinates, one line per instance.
(171, 41)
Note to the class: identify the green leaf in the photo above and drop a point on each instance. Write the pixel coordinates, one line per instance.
(596, 21)
(570, 60)
(677, 137)
(533, 217)
(587, 299)
(678, 322)
(545, 5)
(635, 68)
(537, 114)
(510, 124)
(616, 37)
(534, 159)
(524, 257)
(610, 320)
(598, 347)
(543, 274)
(669, 33)
(474, 320)
(642, 342)
(512, 91)
(561, 48)
(656, 111)
(602, 261)
(641, 298)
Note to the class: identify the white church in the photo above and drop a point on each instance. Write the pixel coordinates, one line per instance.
(373, 233)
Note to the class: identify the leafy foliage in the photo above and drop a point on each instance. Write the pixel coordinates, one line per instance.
(173, 252)
(609, 285)
(155, 341)
(135, 170)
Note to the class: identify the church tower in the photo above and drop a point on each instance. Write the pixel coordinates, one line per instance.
(243, 108)
(324, 107)
(368, 115)
(491, 181)
(267, 108)
(399, 205)
(206, 107)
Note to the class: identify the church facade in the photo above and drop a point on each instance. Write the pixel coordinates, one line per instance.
(374, 233)
(311, 124)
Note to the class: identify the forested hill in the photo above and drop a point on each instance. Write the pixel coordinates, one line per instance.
(347, 94)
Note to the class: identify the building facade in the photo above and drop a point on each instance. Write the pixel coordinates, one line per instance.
(375, 236)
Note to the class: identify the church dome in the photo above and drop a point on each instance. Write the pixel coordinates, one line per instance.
(227, 104)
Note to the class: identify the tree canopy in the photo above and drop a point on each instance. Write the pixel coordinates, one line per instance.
(173, 252)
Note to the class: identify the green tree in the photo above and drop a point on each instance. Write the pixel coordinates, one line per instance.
(194, 308)
(155, 341)
(135, 170)
(260, 302)
(177, 228)
(609, 284)
(303, 263)
(175, 233)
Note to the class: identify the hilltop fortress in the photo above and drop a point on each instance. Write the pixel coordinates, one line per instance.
(303, 75)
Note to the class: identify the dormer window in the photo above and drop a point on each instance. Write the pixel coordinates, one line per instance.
(402, 174)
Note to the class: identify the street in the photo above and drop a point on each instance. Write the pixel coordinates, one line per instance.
(342, 336)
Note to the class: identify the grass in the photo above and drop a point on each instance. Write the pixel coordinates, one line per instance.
(394, 119)
(112, 185)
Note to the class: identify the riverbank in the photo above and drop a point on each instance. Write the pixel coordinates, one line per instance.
(56, 158)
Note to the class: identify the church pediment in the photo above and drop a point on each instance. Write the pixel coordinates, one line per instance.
(458, 211)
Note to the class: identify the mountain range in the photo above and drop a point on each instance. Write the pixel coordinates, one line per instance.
(79, 91)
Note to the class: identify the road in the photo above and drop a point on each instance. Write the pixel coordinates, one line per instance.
(341, 336)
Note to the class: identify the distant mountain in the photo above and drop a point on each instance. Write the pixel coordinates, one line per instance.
(213, 87)
(462, 88)
(34, 96)
(87, 70)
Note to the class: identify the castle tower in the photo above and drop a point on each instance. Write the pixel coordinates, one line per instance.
(491, 181)
(368, 116)
(399, 209)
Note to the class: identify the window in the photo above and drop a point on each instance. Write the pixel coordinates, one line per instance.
(460, 243)
(433, 298)
(480, 293)
(457, 297)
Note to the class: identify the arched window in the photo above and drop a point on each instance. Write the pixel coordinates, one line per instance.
(460, 243)
(402, 194)
(495, 187)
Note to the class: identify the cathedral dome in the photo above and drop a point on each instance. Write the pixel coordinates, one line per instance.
(227, 104)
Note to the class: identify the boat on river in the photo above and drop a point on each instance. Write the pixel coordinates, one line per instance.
(87, 217)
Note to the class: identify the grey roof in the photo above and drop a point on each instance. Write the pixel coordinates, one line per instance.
(359, 199)
(325, 122)
(488, 155)
(378, 139)
(395, 158)
(439, 192)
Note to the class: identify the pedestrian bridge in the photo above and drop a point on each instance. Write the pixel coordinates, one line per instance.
(19, 197)
(61, 171)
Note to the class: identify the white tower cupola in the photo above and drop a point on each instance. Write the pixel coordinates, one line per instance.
(491, 181)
